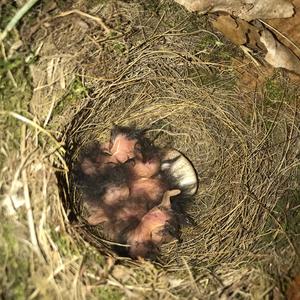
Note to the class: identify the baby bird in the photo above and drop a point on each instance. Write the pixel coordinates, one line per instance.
(127, 185)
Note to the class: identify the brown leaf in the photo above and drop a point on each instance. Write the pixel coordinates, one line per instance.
(267, 9)
(289, 29)
(237, 30)
(250, 77)
(293, 292)
(253, 9)
(229, 27)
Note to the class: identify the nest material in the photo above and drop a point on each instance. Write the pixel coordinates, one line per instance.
(156, 75)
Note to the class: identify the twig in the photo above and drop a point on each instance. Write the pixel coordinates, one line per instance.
(9, 202)
(35, 125)
(30, 218)
(98, 20)
(279, 33)
(59, 151)
(17, 17)
(248, 52)
(61, 268)
(193, 281)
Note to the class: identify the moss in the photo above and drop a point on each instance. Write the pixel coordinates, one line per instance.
(64, 243)
(15, 89)
(15, 94)
(278, 89)
(107, 293)
(176, 14)
(90, 4)
(274, 90)
(76, 91)
(9, 64)
(208, 41)
(119, 48)
(151, 6)
(14, 263)
(94, 257)
(6, 12)
(216, 49)
(15, 81)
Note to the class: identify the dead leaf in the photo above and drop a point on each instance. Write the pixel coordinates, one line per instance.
(247, 10)
(287, 30)
(251, 78)
(267, 9)
(237, 30)
(229, 27)
(278, 55)
(293, 292)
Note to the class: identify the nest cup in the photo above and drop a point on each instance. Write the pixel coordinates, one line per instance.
(242, 148)
(213, 128)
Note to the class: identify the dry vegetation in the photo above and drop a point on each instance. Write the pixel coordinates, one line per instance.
(86, 65)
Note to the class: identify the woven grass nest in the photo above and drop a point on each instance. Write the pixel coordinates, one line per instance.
(244, 148)
(238, 169)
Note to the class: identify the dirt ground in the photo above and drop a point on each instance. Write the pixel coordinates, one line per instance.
(71, 69)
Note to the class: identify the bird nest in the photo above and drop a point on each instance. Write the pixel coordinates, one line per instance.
(170, 76)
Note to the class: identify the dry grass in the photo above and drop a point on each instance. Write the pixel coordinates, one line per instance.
(159, 67)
